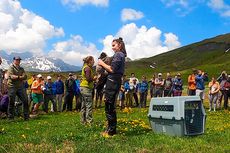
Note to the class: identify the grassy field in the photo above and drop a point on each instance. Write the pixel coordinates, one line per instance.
(62, 132)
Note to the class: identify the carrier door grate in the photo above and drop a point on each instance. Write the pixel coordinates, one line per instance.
(194, 118)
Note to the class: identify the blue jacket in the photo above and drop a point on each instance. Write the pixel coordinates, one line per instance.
(200, 82)
(59, 87)
(126, 86)
(78, 90)
(177, 84)
(143, 86)
(50, 88)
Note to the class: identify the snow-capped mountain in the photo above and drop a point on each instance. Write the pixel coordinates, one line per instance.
(45, 64)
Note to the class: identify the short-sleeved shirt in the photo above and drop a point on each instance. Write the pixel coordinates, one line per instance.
(35, 84)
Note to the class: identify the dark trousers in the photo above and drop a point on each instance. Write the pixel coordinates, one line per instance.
(158, 92)
(225, 95)
(167, 93)
(143, 99)
(135, 98)
(21, 93)
(78, 102)
(191, 92)
(99, 96)
(68, 101)
(48, 98)
(111, 90)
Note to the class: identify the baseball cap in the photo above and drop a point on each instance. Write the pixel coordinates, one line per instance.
(70, 74)
(17, 58)
(49, 77)
(159, 74)
(39, 76)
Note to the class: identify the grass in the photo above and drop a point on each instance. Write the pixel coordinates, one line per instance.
(62, 132)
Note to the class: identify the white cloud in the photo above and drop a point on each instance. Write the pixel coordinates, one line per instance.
(171, 41)
(131, 14)
(76, 4)
(169, 3)
(142, 42)
(74, 50)
(220, 6)
(182, 7)
(22, 30)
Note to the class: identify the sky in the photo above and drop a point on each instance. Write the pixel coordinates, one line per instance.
(73, 29)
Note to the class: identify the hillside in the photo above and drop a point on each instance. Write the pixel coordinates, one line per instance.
(208, 55)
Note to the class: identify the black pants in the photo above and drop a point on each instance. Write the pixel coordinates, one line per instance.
(225, 95)
(167, 93)
(111, 90)
(48, 98)
(143, 99)
(191, 92)
(68, 101)
(21, 93)
(135, 98)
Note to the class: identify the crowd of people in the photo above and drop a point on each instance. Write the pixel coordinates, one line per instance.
(109, 84)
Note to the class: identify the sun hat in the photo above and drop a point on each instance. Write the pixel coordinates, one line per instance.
(49, 77)
(39, 76)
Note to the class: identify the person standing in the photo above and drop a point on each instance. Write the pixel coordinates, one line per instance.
(214, 88)
(37, 94)
(192, 84)
(15, 83)
(78, 94)
(200, 78)
(134, 82)
(70, 86)
(168, 85)
(152, 86)
(49, 95)
(143, 91)
(222, 79)
(113, 83)
(59, 92)
(122, 93)
(159, 86)
(86, 87)
(177, 85)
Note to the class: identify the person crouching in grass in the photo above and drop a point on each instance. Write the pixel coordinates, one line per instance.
(214, 88)
(86, 87)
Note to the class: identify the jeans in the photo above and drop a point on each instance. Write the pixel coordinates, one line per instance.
(59, 102)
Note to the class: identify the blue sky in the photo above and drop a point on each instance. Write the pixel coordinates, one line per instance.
(73, 29)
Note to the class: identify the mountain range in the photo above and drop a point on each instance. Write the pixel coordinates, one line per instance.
(38, 64)
(211, 55)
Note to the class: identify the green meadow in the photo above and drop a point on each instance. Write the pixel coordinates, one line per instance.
(62, 132)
